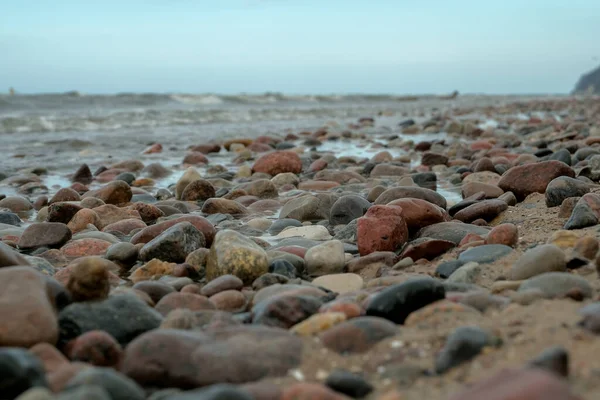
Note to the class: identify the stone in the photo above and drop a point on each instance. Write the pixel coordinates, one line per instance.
(352, 385)
(426, 248)
(485, 254)
(387, 170)
(381, 229)
(219, 391)
(309, 207)
(124, 254)
(564, 187)
(282, 267)
(122, 316)
(505, 234)
(154, 269)
(10, 257)
(326, 258)
(411, 192)
(318, 323)
(9, 218)
(20, 371)
(151, 232)
(96, 348)
(280, 224)
(553, 359)
(194, 158)
(176, 358)
(431, 159)
(312, 232)
(340, 283)
(89, 278)
(45, 234)
(261, 188)
(586, 212)
(462, 345)
(118, 386)
(357, 335)
(190, 175)
(232, 253)
(525, 179)
(36, 393)
(310, 391)
(87, 392)
(419, 213)
(64, 194)
(446, 269)
(232, 301)
(222, 283)
(285, 310)
(396, 302)
(278, 162)
(177, 300)
(490, 191)
(82, 219)
(18, 205)
(536, 261)
(587, 247)
(116, 192)
(62, 212)
(224, 206)
(467, 273)
(85, 247)
(451, 231)
(154, 289)
(174, 244)
(348, 208)
(26, 290)
(486, 209)
(557, 284)
(82, 175)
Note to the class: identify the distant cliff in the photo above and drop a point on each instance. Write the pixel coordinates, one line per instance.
(589, 83)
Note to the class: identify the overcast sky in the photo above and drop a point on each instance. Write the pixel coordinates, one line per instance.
(297, 46)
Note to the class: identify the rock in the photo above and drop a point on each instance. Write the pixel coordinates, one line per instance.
(426, 248)
(82, 175)
(383, 170)
(411, 192)
(116, 192)
(64, 194)
(588, 83)
(219, 391)
(232, 253)
(20, 371)
(118, 386)
(175, 358)
(451, 231)
(586, 212)
(340, 283)
(486, 209)
(352, 385)
(282, 267)
(62, 212)
(97, 348)
(467, 273)
(10, 257)
(280, 224)
(153, 269)
(419, 213)
(85, 247)
(174, 244)
(190, 175)
(261, 188)
(564, 187)
(347, 208)
(18, 205)
(536, 261)
(122, 316)
(154, 289)
(230, 300)
(447, 268)
(396, 302)
(312, 232)
(124, 254)
(509, 198)
(326, 258)
(506, 234)
(26, 290)
(36, 393)
(357, 335)
(285, 311)
(194, 158)
(462, 345)
(310, 391)
(553, 359)
(125, 226)
(87, 392)
(587, 247)
(278, 162)
(82, 219)
(525, 179)
(490, 191)
(381, 229)
(45, 234)
(557, 284)
(309, 207)
(222, 283)
(89, 278)
(318, 323)
(431, 159)
(9, 218)
(202, 224)
(518, 384)
(485, 254)
(189, 301)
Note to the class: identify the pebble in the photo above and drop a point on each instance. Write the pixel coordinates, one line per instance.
(451, 231)
(19, 371)
(89, 278)
(340, 283)
(557, 284)
(309, 207)
(118, 386)
(278, 162)
(318, 323)
(381, 229)
(282, 267)
(536, 261)
(525, 179)
(586, 212)
(326, 258)
(45, 234)
(312, 232)
(486, 209)
(285, 311)
(462, 345)
(485, 254)
(411, 192)
(174, 244)
(564, 187)
(505, 234)
(177, 300)
(352, 385)
(357, 335)
(348, 208)
(97, 348)
(553, 359)
(467, 273)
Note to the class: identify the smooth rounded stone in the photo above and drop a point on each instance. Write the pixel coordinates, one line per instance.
(340, 283)
(388, 170)
(562, 155)
(326, 258)
(536, 261)
(557, 284)
(214, 392)
(220, 284)
(18, 205)
(116, 192)
(404, 263)
(87, 392)
(262, 224)
(278, 162)
(509, 198)
(518, 384)
(525, 179)
(153, 269)
(198, 258)
(564, 187)
(312, 232)
(10, 257)
(312, 391)
(268, 279)
(467, 273)
(490, 191)
(451, 231)
(284, 179)
(9, 218)
(201, 223)
(122, 316)
(190, 175)
(482, 301)
(97, 348)
(486, 209)
(148, 212)
(124, 254)
(553, 359)
(36, 393)
(126, 226)
(20, 371)
(318, 323)
(585, 213)
(357, 335)
(174, 244)
(89, 278)
(309, 207)
(485, 254)
(85, 247)
(224, 206)
(348, 208)
(431, 159)
(26, 290)
(156, 290)
(105, 236)
(176, 300)
(232, 301)
(62, 212)
(464, 344)
(349, 384)
(280, 224)
(567, 207)
(419, 213)
(285, 311)
(426, 248)
(45, 234)
(411, 192)
(177, 358)
(282, 267)
(261, 188)
(83, 219)
(383, 228)
(506, 234)
(396, 302)
(83, 175)
(117, 385)
(587, 247)
(232, 253)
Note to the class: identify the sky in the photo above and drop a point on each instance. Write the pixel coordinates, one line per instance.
(297, 46)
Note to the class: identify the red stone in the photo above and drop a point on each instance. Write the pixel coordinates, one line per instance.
(97, 348)
(194, 158)
(506, 234)
(278, 162)
(85, 247)
(155, 148)
(533, 178)
(317, 165)
(382, 228)
(419, 213)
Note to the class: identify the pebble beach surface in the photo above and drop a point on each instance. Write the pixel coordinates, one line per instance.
(438, 249)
